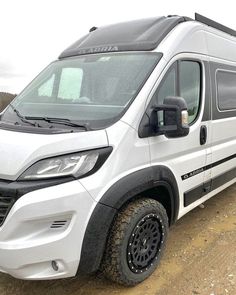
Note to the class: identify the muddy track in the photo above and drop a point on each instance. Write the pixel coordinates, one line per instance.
(200, 259)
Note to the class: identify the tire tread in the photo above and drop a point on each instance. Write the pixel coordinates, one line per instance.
(111, 265)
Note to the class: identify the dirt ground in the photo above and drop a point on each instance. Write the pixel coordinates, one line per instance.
(200, 259)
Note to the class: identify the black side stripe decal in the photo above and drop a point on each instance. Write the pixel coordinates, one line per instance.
(200, 191)
(207, 167)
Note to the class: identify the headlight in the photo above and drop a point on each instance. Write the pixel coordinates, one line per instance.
(76, 164)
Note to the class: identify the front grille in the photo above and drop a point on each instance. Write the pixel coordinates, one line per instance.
(6, 202)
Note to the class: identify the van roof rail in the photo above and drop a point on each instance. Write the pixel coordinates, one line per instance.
(209, 22)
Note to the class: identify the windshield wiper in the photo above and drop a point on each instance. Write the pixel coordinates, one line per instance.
(62, 121)
(23, 118)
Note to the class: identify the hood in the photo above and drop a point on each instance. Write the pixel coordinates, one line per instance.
(19, 150)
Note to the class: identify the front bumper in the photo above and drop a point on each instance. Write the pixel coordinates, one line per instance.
(46, 225)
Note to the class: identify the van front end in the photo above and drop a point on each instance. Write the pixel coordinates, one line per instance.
(62, 145)
(43, 218)
(42, 235)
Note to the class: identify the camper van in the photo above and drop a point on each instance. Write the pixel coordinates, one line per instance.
(131, 128)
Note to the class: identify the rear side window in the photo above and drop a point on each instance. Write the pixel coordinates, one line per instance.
(187, 84)
(226, 90)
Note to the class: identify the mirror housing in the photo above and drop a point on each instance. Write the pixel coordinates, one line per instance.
(175, 117)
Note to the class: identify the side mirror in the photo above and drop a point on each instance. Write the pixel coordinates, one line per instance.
(174, 112)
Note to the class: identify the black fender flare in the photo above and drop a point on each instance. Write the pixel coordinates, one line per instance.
(115, 197)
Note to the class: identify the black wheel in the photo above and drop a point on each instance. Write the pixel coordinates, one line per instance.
(136, 242)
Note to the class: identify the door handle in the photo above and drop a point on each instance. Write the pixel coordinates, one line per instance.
(203, 134)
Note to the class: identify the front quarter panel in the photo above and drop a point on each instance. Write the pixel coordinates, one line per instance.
(130, 153)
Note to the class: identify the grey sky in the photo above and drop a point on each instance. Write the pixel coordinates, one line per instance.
(6, 70)
(33, 33)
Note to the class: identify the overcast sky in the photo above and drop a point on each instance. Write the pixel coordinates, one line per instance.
(34, 32)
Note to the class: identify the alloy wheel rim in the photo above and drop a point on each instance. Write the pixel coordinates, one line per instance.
(145, 243)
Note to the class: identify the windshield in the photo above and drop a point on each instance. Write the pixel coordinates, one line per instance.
(93, 89)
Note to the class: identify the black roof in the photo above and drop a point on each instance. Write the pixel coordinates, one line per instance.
(137, 35)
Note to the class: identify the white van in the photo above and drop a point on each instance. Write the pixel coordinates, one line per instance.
(132, 127)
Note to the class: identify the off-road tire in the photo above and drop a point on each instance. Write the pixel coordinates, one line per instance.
(119, 264)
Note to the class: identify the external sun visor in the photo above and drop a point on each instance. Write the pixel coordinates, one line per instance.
(137, 35)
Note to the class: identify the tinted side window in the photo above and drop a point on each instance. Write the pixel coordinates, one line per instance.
(190, 86)
(226, 90)
(168, 86)
(186, 84)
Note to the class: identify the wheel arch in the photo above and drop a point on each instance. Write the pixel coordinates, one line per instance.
(157, 182)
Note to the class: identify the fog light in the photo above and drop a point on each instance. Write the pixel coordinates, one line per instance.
(55, 265)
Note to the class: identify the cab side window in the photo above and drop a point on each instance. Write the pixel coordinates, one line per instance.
(168, 86)
(190, 86)
(183, 79)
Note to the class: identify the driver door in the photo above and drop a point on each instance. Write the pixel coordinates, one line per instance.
(185, 156)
